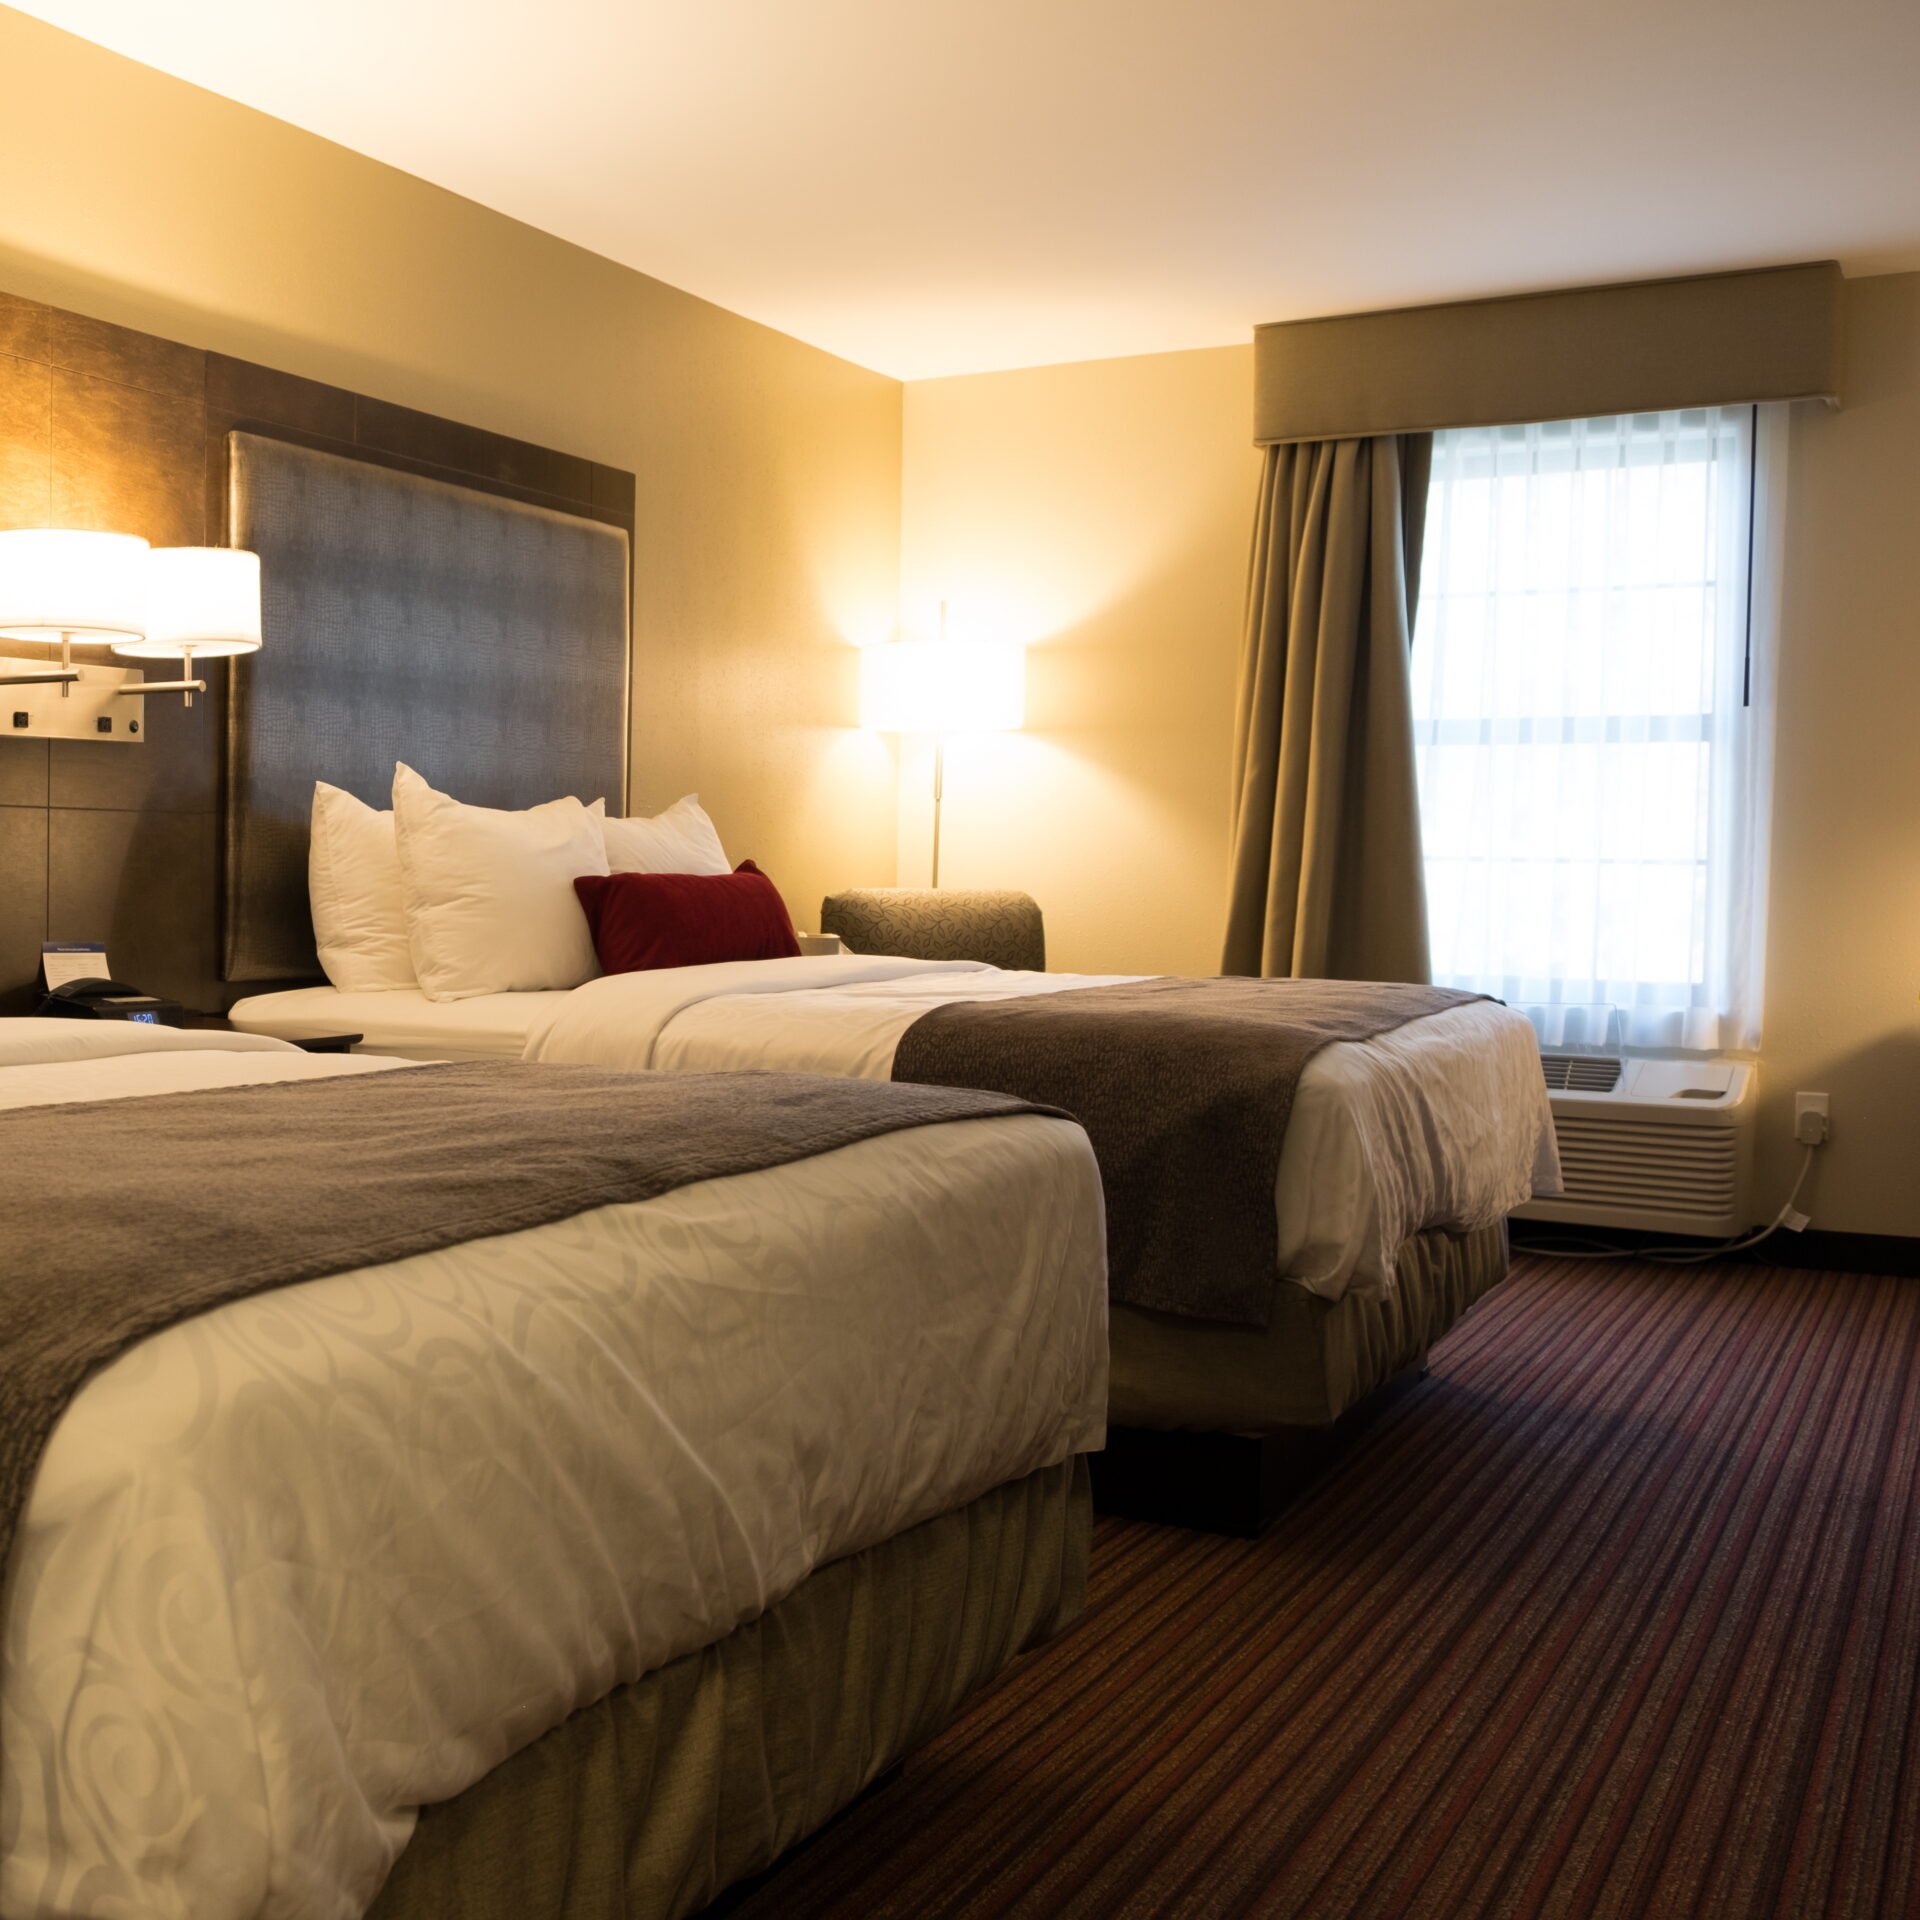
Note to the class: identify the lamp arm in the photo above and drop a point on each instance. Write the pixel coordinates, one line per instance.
(184, 687)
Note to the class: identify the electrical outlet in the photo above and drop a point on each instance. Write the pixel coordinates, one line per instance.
(1810, 1122)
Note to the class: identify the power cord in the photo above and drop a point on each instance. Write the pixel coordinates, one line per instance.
(1684, 1256)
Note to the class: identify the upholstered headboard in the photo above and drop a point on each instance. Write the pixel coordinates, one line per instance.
(481, 640)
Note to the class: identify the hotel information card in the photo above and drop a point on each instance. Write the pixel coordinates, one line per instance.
(64, 960)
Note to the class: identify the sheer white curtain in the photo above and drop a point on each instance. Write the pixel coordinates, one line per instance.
(1592, 726)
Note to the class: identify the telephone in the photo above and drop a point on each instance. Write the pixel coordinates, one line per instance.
(96, 999)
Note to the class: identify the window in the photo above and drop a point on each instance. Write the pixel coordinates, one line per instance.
(1591, 725)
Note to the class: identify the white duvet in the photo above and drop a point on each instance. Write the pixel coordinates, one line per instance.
(298, 1566)
(1441, 1123)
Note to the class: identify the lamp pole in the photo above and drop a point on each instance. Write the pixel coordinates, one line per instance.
(939, 767)
(64, 675)
(939, 782)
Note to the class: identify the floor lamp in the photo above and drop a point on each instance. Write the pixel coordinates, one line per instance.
(940, 687)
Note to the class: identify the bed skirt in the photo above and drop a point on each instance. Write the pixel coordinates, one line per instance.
(1313, 1361)
(648, 1804)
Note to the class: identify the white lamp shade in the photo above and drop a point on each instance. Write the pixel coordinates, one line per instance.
(206, 599)
(943, 686)
(89, 585)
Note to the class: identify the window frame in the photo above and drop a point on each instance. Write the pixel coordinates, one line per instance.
(1718, 1010)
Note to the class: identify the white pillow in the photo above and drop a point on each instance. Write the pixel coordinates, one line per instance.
(353, 883)
(490, 900)
(681, 840)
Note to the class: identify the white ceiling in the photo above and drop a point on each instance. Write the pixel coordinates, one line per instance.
(944, 186)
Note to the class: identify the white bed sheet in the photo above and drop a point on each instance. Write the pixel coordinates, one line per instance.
(1442, 1123)
(43, 1042)
(405, 1023)
(293, 1568)
(126, 1078)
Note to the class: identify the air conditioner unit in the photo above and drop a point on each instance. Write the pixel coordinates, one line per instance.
(1665, 1145)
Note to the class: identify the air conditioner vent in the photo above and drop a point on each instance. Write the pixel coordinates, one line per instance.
(1665, 1145)
(1619, 1163)
(1580, 1072)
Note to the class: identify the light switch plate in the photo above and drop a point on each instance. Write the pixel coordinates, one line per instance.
(39, 713)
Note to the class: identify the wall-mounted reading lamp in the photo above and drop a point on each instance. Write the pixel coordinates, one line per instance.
(939, 687)
(81, 586)
(202, 603)
(179, 603)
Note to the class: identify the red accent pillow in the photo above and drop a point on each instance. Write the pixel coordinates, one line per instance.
(644, 920)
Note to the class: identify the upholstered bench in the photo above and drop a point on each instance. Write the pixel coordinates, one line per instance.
(939, 923)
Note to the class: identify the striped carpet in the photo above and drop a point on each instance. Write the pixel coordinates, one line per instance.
(1618, 1614)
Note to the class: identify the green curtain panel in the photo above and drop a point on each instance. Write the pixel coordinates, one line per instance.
(1327, 879)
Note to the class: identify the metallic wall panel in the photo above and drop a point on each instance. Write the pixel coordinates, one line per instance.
(26, 439)
(143, 882)
(23, 898)
(127, 461)
(481, 640)
(24, 778)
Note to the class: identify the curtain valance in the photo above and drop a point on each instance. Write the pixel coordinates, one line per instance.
(1643, 346)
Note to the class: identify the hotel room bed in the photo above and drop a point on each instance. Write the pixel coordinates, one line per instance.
(630, 1546)
(1402, 1156)
(1432, 1131)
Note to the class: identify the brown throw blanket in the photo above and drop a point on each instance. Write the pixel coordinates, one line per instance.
(124, 1216)
(1185, 1087)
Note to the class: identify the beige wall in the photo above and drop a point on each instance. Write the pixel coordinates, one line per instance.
(1101, 513)
(768, 471)
(1104, 510)
(1843, 959)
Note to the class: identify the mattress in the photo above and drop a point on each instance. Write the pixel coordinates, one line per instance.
(406, 1024)
(297, 1567)
(1442, 1124)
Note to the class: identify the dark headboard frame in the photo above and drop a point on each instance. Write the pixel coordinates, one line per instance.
(263, 935)
(482, 639)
